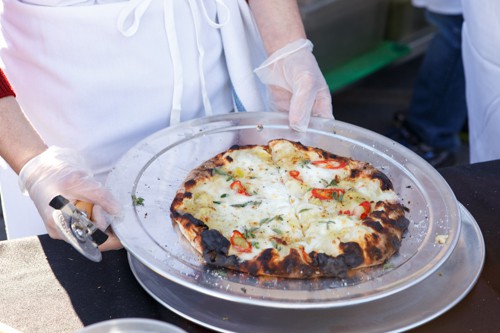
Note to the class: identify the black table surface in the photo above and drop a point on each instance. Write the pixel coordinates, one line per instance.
(46, 286)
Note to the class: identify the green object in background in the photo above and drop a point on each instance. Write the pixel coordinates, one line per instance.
(365, 64)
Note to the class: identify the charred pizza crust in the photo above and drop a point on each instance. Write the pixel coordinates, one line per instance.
(269, 226)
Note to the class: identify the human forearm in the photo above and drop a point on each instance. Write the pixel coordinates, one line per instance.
(19, 142)
(278, 21)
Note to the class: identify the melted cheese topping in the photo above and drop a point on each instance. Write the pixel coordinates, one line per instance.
(256, 195)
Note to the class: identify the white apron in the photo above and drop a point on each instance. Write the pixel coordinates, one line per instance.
(99, 78)
(481, 54)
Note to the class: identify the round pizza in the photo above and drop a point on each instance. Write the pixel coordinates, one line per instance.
(289, 210)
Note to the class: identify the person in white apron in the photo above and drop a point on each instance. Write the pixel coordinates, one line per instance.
(95, 77)
(481, 54)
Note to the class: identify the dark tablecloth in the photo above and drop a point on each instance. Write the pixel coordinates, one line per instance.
(46, 286)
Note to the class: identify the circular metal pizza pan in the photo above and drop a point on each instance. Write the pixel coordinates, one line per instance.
(154, 169)
(407, 309)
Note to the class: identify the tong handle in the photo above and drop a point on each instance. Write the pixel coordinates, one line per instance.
(58, 202)
(85, 207)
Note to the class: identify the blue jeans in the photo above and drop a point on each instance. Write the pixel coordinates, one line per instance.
(438, 109)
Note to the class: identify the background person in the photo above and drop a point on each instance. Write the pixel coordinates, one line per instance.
(438, 109)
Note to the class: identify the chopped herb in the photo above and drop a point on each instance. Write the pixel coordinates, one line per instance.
(224, 195)
(269, 219)
(256, 245)
(278, 231)
(388, 266)
(251, 202)
(275, 245)
(304, 210)
(338, 196)
(327, 223)
(216, 202)
(328, 184)
(265, 220)
(249, 233)
(222, 173)
(137, 201)
(220, 272)
(305, 164)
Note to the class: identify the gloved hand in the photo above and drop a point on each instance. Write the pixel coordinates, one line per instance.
(63, 171)
(296, 83)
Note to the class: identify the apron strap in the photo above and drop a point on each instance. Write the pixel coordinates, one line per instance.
(134, 11)
(137, 8)
(175, 55)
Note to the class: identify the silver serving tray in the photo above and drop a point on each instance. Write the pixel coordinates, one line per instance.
(407, 309)
(155, 168)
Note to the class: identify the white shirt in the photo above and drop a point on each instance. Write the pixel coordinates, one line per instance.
(481, 55)
(452, 7)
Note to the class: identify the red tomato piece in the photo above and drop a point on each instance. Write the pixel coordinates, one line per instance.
(295, 174)
(239, 188)
(240, 243)
(327, 193)
(329, 164)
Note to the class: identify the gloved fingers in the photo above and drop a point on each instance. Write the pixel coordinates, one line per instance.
(323, 105)
(100, 197)
(101, 218)
(301, 104)
(280, 99)
(112, 243)
(86, 188)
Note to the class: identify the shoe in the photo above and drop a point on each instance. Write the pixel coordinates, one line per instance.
(403, 134)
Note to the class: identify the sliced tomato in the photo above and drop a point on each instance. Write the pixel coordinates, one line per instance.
(327, 193)
(239, 188)
(240, 243)
(295, 174)
(362, 210)
(304, 254)
(367, 207)
(329, 164)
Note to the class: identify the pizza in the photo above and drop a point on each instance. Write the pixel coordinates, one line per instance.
(289, 210)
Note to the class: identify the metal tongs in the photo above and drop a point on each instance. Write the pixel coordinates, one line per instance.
(76, 227)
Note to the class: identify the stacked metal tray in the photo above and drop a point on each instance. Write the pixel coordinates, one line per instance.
(168, 267)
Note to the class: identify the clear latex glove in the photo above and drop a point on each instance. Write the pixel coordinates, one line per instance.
(63, 171)
(296, 84)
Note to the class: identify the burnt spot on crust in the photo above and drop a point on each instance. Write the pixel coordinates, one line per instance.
(187, 195)
(263, 264)
(189, 184)
(229, 158)
(215, 249)
(396, 219)
(385, 182)
(402, 223)
(329, 266)
(353, 254)
(374, 253)
(375, 225)
(355, 173)
(188, 220)
(293, 264)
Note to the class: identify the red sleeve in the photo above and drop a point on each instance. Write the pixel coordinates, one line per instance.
(5, 87)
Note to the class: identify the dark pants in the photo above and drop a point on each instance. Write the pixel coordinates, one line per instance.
(438, 109)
